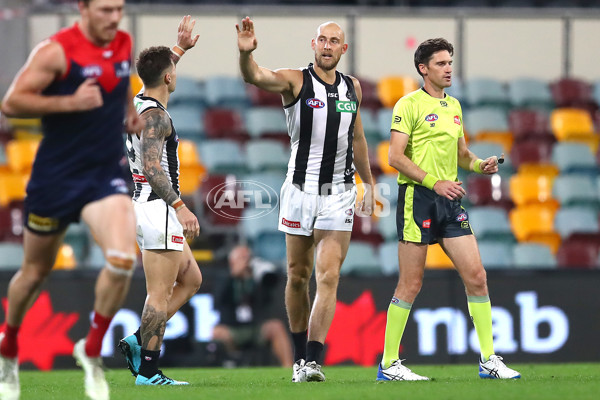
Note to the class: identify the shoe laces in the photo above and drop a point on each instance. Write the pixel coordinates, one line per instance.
(314, 365)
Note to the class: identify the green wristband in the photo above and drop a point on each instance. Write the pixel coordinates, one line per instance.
(477, 166)
(429, 181)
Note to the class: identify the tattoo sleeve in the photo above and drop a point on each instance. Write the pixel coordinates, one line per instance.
(153, 327)
(158, 128)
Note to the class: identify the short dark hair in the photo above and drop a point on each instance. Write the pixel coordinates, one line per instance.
(152, 63)
(426, 50)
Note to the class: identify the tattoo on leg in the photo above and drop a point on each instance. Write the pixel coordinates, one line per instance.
(153, 328)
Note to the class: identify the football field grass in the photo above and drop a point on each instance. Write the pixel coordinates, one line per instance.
(540, 381)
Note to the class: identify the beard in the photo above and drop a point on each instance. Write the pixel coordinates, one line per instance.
(326, 65)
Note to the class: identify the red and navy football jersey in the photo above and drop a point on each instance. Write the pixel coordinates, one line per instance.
(79, 145)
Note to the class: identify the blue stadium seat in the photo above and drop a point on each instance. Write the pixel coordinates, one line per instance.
(575, 219)
(533, 255)
(388, 258)
(457, 89)
(261, 121)
(496, 255)
(270, 181)
(226, 91)
(11, 255)
(574, 157)
(387, 226)
(575, 190)
(490, 223)
(222, 157)
(256, 221)
(384, 122)
(188, 91)
(370, 125)
(188, 121)
(270, 246)
(529, 92)
(387, 186)
(485, 119)
(264, 155)
(485, 92)
(361, 260)
(95, 258)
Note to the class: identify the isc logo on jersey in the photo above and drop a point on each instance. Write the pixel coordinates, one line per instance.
(345, 106)
(315, 103)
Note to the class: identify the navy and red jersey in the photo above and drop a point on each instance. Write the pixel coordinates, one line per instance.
(79, 145)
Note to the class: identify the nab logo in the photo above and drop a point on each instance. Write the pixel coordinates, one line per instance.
(397, 119)
(92, 71)
(315, 103)
(431, 118)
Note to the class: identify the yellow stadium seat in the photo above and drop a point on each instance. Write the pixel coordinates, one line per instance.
(571, 122)
(383, 149)
(190, 177)
(136, 84)
(188, 154)
(533, 219)
(531, 188)
(12, 187)
(503, 138)
(392, 88)
(550, 239)
(549, 170)
(20, 154)
(65, 258)
(436, 258)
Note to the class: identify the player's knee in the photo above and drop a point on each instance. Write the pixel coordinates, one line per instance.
(477, 280)
(328, 278)
(411, 286)
(120, 263)
(297, 282)
(221, 333)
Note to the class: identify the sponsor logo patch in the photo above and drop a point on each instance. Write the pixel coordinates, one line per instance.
(457, 120)
(461, 217)
(397, 119)
(443, 103)
(122, 69)
(137, 178)
(427, 224)
(431, 118)
(315, 103)
(349, 211)
(290, 224)
(177, 239)
(92, 71)
(465, 225)
(348, 220)
(345, 106)
(42, 224)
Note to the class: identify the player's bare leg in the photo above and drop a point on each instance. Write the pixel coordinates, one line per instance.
(187, 284)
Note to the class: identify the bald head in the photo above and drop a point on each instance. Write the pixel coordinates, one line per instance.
(332, 28)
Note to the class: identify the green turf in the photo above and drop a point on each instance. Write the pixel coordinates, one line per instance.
(540, 381)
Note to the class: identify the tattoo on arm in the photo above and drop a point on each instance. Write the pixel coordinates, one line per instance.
(158, 128)
(153, 328)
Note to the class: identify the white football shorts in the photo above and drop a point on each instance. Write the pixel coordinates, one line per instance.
(301, 212)
(157, 226)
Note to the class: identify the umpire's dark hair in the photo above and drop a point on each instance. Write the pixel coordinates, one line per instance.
(426, 50)
(152, 63)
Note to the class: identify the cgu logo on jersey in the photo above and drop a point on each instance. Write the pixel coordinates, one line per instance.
(345, 106)
(91, 71)
(431, 118)
(315, 103)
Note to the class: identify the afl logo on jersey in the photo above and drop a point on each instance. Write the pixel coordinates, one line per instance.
(91, 71)
(315, 103)
(431, 118)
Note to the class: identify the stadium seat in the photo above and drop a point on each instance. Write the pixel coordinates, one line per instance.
(574, 125)
(12, 186)
(365, 230)
(569, 92)
(576, 190)
(361, 260)
(2, 156)
(456, 90)
(485, 119)
(572, 157)
(370, 100)
(387, 226)
(224, 123)
(387, 187)
(136, 84)
(220, 213)
(485, 190)
(384, 122)
(270, 246)
(490, 223)
(390, 89)
(437, 258)
(271, 181)
(527, 189)
(485, 92)
(20, 154)
(533, 219)
(222, 157)
(383, 149)
(577, 255)
(531, 152)
(370, 126)
(529, 92)
(189, 91)
(576, 220)
(496, 255)
(258, 220)
(11, 255)
(388, 258)
(533, 256)
(503, 138)
(549, 170)
(260, 97)
(224, 91)
(266, 155)
(526, 123)
(261, 121)
(65, 259)
(187, 120)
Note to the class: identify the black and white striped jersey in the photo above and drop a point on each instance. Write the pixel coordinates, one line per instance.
(321, 127)
(170, 162)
